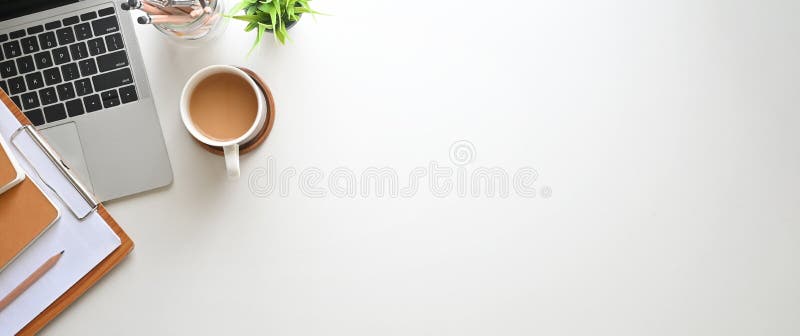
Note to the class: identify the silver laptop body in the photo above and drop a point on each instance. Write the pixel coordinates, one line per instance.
(75, 69)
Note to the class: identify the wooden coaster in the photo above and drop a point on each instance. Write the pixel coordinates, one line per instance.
(259, 139)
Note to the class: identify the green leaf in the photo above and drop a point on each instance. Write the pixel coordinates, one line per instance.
(273, 18)
(278, 10)
(247, 18)
(290, 13)
(259, 35)
(281, 33)
(266, 7)
(236, 9)
(308, 10)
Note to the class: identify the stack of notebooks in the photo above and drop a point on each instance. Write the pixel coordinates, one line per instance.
(25, 211)
(47, 218)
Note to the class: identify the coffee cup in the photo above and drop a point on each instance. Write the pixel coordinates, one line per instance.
(222, 106)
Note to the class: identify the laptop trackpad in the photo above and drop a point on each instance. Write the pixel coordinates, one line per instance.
(65, 140)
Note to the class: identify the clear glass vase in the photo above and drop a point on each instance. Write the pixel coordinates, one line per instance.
(203, 28)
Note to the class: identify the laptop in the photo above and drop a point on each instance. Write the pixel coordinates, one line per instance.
(75, 70)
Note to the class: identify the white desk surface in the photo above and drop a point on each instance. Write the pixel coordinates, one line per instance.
(667, 132)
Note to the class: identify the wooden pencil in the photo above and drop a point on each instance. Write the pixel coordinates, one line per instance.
(27, 283)
(157, 19)
(152, 10)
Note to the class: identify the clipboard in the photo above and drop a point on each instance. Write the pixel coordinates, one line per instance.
(88, 280)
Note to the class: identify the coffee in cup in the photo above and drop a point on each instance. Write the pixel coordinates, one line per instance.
(222, 106)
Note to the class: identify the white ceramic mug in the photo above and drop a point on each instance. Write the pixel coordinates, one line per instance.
(230, 147)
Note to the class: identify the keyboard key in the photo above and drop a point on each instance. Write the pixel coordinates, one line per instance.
(43, 60)
(112, 79)
(61, 55)
(34, 81)
(74, 107)
(30, 100)
(35, 30)
(110, 98)
(70, 20)
(112, 61)
(96, 46)
(83, 86)
(48, 96)
(88, 16)
(106, 11)
(16, 85)
(52, 25)
(8, 69)
(78, 51)
(105, 25)
(65, 36)
(128, 94)
(3, 37)
(83, 31)
(114, 42)
(12, 49)
(52, 76)
(4, 87)
(69, 71)
(17, 101)
(30, 45)
(35, 116)
(65, 91)
(92, 103)
(88, 67)
(48, 40)
(55, 112)
(17, 34)
(25, 64)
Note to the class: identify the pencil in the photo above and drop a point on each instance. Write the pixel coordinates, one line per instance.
(172, 19)
(167, 10)
(143, 6)
(35, 276)
(150, 9)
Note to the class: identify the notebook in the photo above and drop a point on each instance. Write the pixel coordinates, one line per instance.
(10, 173)
(25, 214)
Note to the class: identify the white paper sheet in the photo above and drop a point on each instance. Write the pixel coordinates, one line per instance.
(85, 242)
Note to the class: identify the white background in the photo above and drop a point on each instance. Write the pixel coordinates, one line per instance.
(667, 130)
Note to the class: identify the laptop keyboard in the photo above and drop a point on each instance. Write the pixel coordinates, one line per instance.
(65, 68)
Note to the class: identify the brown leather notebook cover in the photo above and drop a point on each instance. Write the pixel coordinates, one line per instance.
(7, 171)
(9, 175)
(25, 213)
(90, 278)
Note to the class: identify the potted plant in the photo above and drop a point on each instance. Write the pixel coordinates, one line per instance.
(275, 16)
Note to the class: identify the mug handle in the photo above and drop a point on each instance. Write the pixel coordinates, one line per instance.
(232, 160)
